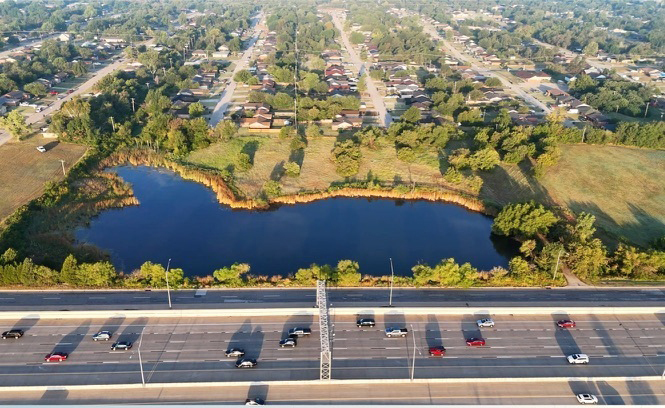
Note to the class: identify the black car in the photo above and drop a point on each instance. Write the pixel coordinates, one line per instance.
(12, 334)
(300, 332)
(365, 323)
(234, 352)
(246, 363)
(290, 341)
(121, 345)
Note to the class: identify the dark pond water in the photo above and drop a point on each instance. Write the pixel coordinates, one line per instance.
(182, 220)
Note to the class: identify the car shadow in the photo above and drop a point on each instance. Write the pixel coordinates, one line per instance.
(241, 337)
(397, 320)
(133, 330)
(258, 391)
(606, 337)
(54, 396)
(433, 332)
(294, 321)
(113, 324)
(609, 394)
(564, 338)
(641, 393)
(50, 145)
(26, 322)
(469, 327)
(256, 338)
(70, 342)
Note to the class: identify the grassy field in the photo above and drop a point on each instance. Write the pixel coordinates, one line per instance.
(24, 170)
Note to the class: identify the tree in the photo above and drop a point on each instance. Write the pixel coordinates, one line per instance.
(243, 161)
(591, 48)
(312, 131)
(98, 274)
(356, 38)
(292, 169)
(309, 276)
(493, 82)
(15, 124)
(79, 68)
(346, 155)
(484, 159)
(362, 83)
(272, 188)
(412, 115)
(526, 219)
(196, 109)
(155, 275)
(243, 76)
(150, 59)
(69, 271)
(36, 88)
(233, 275)
(6, 84)
(347, 273)
(226, 130)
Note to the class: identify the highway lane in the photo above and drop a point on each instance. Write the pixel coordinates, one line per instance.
(191, 349)
(339, 297)
(615, 392)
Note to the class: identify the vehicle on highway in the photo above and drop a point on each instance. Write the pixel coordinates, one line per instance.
(56, 356)
(485, 323)
(475, 341)
(578, 359)
(587, 399)
(396, 332)
(300, 332)
(12, 334)
(121, 345)
(102, 335)
(234, 352)
(288, 342)
(365, 323)
(246, 363)
(254, 401)
(566, 324)
(437, 351)
(41, 149)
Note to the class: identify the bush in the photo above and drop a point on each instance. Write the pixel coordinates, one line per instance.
(292, 169)
(525, 219)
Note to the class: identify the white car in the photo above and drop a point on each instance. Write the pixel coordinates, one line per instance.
(578, 359)
(485, 323)
(41, 149)
(587, 399)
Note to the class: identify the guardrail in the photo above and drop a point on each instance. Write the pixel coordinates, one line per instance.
(341, 311)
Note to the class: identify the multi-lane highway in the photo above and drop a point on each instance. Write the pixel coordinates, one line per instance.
(469, 393)
(362, 297)
(192, 349)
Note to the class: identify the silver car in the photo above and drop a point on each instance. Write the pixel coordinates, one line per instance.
(485, 323)
(102, 335)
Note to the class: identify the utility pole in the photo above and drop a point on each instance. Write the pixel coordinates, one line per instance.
(140, 360)
(62, 162)
(168, 288)
(133, 107)
(583, 133)
(646, 110)
(413, 360)
(171, 61)
(392, 278)
(556, 268)
(113, 123)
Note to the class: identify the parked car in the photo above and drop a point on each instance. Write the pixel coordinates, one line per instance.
(566, 324)
(234, 352)
(437, 351)
(70, 91)
(24, 103)
(102, 335)
(254, 401)
(485, 323)
(300, 332)
(53, 92)
(395, 332)
(246, 363)
(41, 149)
(578, 359)
(56, 356)
(587, 399)
(121, 345)
(288, 342)
(475, 341)
(365, 323)
(61, 96)
(12, 334)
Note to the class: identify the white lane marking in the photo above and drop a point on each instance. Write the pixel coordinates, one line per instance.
(52, 298)
(4, 298)
(96, 297)
(141, 297)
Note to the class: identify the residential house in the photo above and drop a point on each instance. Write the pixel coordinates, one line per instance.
(13, 98)
(532, 76)
(200, 54)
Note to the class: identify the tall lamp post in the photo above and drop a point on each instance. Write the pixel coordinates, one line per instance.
(168, 288)
(413, 360)
(140, 360)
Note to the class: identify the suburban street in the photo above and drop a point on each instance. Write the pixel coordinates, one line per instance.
(227, 94)
(377, 100)
(339, 297)
(468, 60)
(192, 349)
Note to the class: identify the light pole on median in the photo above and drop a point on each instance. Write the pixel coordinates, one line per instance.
(140, 360)
(168, 288)
(392, 278)
(413, 360)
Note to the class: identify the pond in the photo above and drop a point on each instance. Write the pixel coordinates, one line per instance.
(182, 220)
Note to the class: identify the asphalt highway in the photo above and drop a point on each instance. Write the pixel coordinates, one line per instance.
(614, 392)
(339, 297)
(192, 349)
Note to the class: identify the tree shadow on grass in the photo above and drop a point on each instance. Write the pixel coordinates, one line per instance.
(250, 149)
(277, 171)
(297, 156)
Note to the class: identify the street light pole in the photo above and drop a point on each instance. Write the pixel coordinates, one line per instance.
(140, 360)
(413, 360)
(557, 263)
(392, 278)
(168, 288)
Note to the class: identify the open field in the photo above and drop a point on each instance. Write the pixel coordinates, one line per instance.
(24, 170)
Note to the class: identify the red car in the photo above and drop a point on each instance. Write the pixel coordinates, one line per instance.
(55, 357)
(566, 324)
(474, 341)
(437, 351)
(53, 92)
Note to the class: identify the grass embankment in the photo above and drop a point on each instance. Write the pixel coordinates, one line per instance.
(24, 171)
